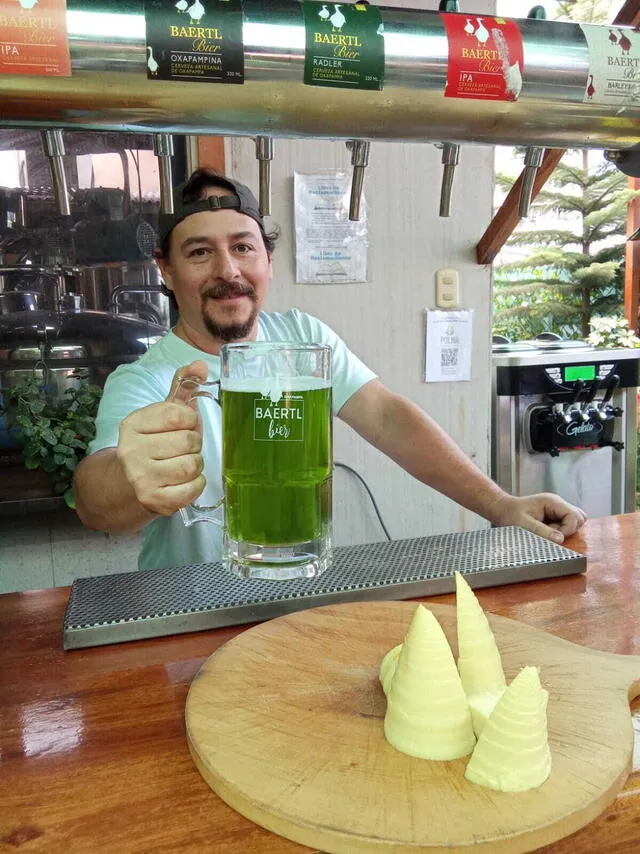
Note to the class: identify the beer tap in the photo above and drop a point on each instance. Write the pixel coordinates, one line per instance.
(532, 160)
(163, 150)
(584, 412)
(450, 159)
(533, 156)
(450, 150)
(53, 145)
(602, 409)
(359, 160)
(569, 412)
(264, 153)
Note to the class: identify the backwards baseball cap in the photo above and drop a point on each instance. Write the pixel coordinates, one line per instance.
(242, 201)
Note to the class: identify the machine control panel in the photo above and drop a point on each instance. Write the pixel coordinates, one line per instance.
(566, 375)
(556, 378)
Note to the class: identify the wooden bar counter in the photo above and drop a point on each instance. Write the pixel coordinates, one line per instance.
(93, 755)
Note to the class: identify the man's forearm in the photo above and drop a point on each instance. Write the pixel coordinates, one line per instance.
(411, 438)
(105, 501)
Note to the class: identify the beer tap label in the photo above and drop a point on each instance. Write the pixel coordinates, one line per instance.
(613, 76)
(486, 57)
(195, 40)
(33, 38)
(344, 45)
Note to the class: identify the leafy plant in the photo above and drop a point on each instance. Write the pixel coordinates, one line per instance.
(612, 332)
(54, 434)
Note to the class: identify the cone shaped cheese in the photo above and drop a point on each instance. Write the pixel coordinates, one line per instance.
(388, 667)
(479, 662)
(512, 754)
(427, 712)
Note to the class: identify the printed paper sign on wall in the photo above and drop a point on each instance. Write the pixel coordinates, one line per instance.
(344, 45)
(195, 40)
(486, 58)
(614, 65)
(33, 38)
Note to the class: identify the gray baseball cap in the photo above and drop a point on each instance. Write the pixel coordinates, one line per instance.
(242, 200)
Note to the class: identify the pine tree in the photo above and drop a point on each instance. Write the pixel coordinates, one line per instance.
(574, 271)
(572, 275)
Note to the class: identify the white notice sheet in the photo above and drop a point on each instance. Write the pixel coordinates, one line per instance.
(448, 346)
(330, 248)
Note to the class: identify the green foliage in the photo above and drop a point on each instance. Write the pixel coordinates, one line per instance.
(612, 332)
(587, 11)
(573, 271)
(54, 436)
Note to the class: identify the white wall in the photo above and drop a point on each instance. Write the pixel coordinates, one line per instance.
(383, 321)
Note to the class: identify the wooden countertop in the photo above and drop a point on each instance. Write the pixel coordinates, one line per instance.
(93, 756)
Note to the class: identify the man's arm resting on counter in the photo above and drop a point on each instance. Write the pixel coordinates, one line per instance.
(407, 435)
(105, 500)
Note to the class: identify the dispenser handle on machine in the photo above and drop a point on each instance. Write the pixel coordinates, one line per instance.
(614, 382)
(612, 385)
(593, 390)
(577, 391)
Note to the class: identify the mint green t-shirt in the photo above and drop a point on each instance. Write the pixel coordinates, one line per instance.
(167, 541)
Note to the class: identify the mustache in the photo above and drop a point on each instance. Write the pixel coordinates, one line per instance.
(228, 289)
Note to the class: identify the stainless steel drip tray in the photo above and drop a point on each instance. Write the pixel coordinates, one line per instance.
(135, 605)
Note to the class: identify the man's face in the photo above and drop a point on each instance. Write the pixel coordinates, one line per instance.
(219, 272)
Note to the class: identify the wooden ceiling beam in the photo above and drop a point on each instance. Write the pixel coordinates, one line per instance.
(629, 14)
(507, 217)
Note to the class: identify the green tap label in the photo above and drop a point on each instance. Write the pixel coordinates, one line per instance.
(344, 45)
(196, 40)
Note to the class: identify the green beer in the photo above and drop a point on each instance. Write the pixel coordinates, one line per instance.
(277, 460)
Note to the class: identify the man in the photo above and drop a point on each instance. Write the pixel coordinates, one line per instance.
(151, 452)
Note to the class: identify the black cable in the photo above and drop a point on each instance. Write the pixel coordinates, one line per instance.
(369, 493)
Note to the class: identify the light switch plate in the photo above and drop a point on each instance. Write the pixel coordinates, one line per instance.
(447, 288)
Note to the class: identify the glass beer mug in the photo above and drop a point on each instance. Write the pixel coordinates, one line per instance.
(277, 459)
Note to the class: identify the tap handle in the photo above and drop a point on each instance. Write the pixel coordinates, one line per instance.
(577, 391)
(612, 385)
(593, 390)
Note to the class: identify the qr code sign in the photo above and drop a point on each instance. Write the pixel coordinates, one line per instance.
(449, 357)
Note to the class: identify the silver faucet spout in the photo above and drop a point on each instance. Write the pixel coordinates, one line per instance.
(264, 153)
(450, 159)
(532, 162)
(53, 145)
(163, 150)
(359, 160)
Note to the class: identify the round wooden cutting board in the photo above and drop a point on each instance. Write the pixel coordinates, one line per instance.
(285, 723)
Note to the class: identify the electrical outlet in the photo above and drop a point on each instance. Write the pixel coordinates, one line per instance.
(447, 288)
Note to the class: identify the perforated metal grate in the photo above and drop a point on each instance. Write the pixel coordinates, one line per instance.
(135, 605)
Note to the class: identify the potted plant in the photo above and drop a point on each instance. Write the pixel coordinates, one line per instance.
(53, 434)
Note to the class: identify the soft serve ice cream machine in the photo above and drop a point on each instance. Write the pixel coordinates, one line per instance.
(564, 421)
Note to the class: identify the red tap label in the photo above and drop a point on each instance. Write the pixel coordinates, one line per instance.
(33, 38)
(486, 57)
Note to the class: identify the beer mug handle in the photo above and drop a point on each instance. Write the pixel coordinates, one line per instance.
(193, 513)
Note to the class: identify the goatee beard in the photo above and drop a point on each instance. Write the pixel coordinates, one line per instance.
(229, 331)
